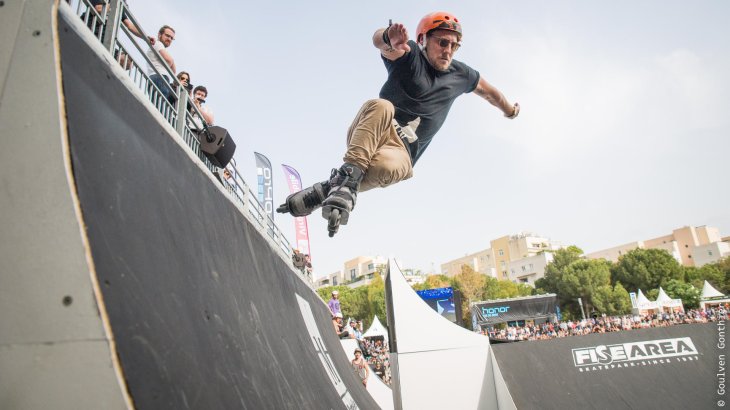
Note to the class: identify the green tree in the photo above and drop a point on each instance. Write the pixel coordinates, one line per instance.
(646, 269)
(554, 270)
(501, 289)
(690, 295)
(470, 284)
(353, 302)
(552, 282)
(611, 301)
(718, 274)
(581, 279)
(376, 300)
(724, 266)
(434, 282)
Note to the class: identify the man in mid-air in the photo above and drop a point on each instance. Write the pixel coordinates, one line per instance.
(391, 133)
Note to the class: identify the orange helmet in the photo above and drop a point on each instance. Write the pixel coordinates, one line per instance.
(439, 20)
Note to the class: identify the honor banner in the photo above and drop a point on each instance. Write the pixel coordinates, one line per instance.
(300, 223)
(508, 310)
(266, 184)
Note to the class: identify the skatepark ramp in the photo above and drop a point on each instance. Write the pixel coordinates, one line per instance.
(131, 277)
(437, 364)
(657, 368)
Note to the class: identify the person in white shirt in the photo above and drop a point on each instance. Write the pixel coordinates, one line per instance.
(156, 70)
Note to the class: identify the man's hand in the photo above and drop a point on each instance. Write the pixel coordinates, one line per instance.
(151, 39)
(398, 37)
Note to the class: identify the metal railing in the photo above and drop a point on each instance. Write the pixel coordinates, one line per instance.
(108, 25)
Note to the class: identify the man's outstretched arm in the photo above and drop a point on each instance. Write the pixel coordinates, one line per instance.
(496, 98)
(392, 41)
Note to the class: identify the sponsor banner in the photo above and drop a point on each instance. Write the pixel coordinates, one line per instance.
(266, 184)
(632, 354)
(300, 223)
(441, 300)
(513, 310)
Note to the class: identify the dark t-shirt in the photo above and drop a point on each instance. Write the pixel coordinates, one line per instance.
(417, 90)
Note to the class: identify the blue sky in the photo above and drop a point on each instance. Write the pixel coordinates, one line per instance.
(624, 132)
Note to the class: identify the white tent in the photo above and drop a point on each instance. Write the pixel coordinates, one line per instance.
(376, 329)
(711, 296)
(645, 305)
(709, 292)
(664, 301)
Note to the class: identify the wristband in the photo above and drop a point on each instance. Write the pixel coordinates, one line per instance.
(516, 111)
(386, 38)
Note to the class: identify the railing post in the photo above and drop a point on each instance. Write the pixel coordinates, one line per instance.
(111, 24)
(182, 108)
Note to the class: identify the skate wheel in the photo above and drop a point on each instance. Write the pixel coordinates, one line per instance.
(333, 223)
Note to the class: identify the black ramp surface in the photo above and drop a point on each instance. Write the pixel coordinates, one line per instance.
(660, 368)
(204, 313)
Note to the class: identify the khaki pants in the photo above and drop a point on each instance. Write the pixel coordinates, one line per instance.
(375, 147)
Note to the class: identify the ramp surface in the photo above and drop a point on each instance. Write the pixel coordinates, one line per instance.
(660, 368)
(204, 312)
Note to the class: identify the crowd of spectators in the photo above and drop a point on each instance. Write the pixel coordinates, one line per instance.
(160, 59)
(553, 330)
(374, 351)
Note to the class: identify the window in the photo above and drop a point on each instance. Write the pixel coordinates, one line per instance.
(501, 252)
(352, 273)
(709, 253)
(689, 256)
(502, 264)
(532, 267)
(524, 268)
(686, 246)
(334, 281)
(504, 273)
(371, 266)
(513, 271)
(523, 280)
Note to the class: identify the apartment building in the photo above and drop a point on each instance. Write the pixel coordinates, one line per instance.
(481, 262)
(333, 279)
(505, 254)
(690, 246)
(528, 270)
(356, 272)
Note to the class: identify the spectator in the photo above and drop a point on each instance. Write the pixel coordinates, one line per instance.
(358, 330)
(200, 93)
(157, 70)
(97, 25)
(184, 79)
(339, 327)
(297, 259)
(602, 324)
(361, 367)
(334, 303)
(308, 264)
(379, 370)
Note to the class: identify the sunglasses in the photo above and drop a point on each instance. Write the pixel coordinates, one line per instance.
(445, 42)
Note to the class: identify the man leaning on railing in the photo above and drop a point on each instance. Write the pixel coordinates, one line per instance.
(164, 39)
